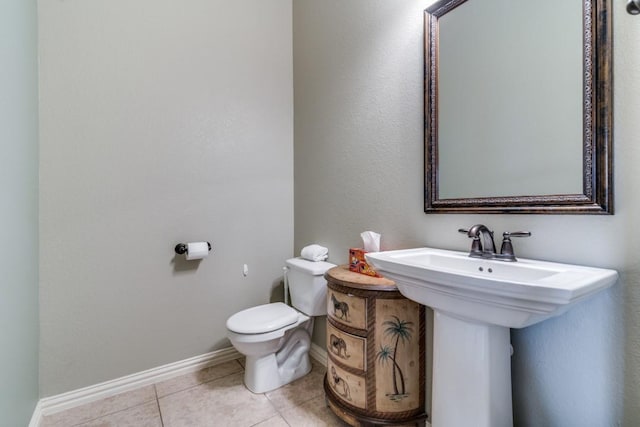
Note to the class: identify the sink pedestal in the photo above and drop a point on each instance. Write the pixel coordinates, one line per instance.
(471, 373)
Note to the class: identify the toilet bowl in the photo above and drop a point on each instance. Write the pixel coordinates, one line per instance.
(276, 338)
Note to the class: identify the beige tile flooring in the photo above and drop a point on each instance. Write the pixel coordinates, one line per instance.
(214, 396)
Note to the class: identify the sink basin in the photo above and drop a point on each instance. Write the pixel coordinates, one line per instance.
(475, 302)
(511, 294)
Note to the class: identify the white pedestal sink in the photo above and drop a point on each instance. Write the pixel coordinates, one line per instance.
(475, 302)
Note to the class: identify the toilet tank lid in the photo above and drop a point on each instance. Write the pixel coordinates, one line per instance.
(316, 268)
(262, 318)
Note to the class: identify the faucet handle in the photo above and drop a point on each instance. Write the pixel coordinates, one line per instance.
(463, 231)
(506, 251)
(509, 234)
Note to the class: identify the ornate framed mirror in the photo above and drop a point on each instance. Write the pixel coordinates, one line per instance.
(518, 108)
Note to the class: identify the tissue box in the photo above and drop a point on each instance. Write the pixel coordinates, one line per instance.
(358, 264)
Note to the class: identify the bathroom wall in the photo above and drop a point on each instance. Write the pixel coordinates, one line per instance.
(161, 122)
(358, 70)
(18, 212)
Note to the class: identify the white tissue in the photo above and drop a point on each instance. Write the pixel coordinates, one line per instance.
(197, 250)
(315, 253)
(371, 241)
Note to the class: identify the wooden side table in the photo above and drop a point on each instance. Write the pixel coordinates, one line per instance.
(376, 351)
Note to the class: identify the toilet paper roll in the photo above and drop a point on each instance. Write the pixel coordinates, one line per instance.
(197, 250)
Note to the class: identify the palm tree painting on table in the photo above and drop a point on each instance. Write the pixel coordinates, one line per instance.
(398, 330)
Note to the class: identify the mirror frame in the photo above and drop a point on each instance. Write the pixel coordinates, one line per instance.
(597, 195)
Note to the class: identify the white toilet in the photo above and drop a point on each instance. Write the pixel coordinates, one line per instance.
(275, 337)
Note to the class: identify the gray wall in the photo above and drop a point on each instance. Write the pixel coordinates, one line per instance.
(161, 122)
(358, 166)
(18, 212)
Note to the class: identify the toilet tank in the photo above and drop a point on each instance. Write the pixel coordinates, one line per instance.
(307, 285)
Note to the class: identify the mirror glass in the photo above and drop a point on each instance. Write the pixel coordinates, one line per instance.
(517, 109)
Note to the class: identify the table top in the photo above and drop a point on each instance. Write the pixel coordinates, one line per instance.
(343, 276)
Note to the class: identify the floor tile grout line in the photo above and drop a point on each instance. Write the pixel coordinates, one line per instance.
(320, 393)
(293, 406)
(196, 385)
(275, 409)
(272, 405)
(156, 398)
(279, 412)
(155, 389)
(260, 422)
(284, 409)
(108, 414)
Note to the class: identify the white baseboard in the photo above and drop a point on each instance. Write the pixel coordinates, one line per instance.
(36, 418)
(318, 353)
(74, 398)
(61, 402)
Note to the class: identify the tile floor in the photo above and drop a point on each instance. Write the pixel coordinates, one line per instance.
(214, 396)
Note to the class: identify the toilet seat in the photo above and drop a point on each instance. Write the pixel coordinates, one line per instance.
(263, 319)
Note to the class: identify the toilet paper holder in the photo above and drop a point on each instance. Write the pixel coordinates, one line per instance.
(181, 248)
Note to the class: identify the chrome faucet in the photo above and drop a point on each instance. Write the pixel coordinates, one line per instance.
(483, 245)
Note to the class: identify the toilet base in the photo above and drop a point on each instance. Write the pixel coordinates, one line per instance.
(261, 373)
(271, 371)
